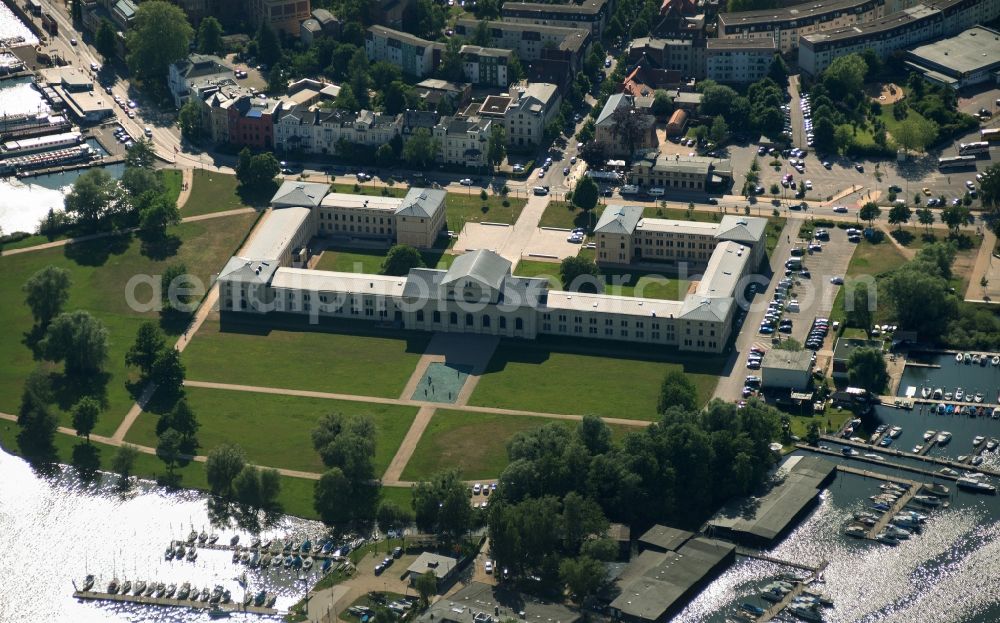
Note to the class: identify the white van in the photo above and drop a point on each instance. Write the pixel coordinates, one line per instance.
(148, 131)
(657, 192)
(541, 190)
(630, 189)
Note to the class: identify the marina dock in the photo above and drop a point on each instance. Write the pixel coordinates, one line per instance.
(887, 516)
(865, 459)
(96, 162)
(796, 591)
(905, 455)
(749, 553)
(176, 603)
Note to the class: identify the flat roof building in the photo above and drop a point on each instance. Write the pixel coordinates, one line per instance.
(970, 57)
(762, 521)
(427, 563)
(481, 603)
(592, 14)
(656, 584)
(786, 369)
(785, 26)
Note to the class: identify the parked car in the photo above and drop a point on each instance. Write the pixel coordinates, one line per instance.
(465, 181)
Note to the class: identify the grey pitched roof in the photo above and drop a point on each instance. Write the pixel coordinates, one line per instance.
(305, 194)
(618, 219)
(422, 202)
(242, 269)
(748, 229)
(711, 309)
(423, 282)
(484, 266)
(614, 102)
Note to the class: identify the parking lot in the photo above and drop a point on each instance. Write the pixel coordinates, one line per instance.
(482, 236)
(551, 243)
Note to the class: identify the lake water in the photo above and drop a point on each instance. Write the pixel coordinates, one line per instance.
(18, 96)
(55, 529)
(26, 201)
(951, 375)
(11, 26)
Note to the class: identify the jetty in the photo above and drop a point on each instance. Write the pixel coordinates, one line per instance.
(172, 602)
(887, 516)
(944, 462)
(796, 591)
(749, 553)
(865, 459)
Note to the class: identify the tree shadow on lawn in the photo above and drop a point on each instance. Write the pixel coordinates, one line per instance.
(229, 322)
(67, 389)
(97, 252)
(159, 248)
(174, 322)
(86, 460)
(539, 351)
(902, 236)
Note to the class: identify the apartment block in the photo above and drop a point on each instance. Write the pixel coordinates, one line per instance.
(413, 55)
(786, 26)
(486, 66)
(738, 60)
(524, 111)
(589, 14)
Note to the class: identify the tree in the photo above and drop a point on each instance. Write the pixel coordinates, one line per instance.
(813, 434)
(171, 280)
(920, 298)
(256, 172)
(870, 212)
(141, 154)
(347, 442)
(441, 505)
(123, 461)
(716, 99)
(899, 213)
(182, 420)
(159, 35)
(46, 292)
(332, 497)
(584, 576)
(141, 185)
(391, 516)
(92, 196)
(85, 414)
(346, 99)
(866, 368)
(189, 119)
(169, 449)
(662, 105)
(394, 97)
(400, 259)
(989, 196)
(778, 71)
(677, 390)
(579, 274)
(955, 216)
(38, 425)
(209, 36)
(861, 309)
(160, 213)
(421, 148)
(915, 133)
(426, 587)
(268, 45)
(168, 373)
(845, 75)
(585, 195)
(719, 130)
(223, 464)
(451, 61)
(79, 339)
(105, 40)
(926, 218)
(496, 146)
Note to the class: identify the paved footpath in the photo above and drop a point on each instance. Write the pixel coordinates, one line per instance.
(395, 470)
(522, 231)
(985, 266)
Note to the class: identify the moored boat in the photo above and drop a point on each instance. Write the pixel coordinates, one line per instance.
(974, 485)
(958, 357)
(992, 444)
(171, 589)
(184, 591)
(233, 541)
(126, 587)
(856, 531)
(928, 435)
(959, 394)
(895, 431)
(978, 439)
(995, 360)
(88, 582)
(978, 397)
(936, 489)
(140, 587)
(113, 586)
(943, 437)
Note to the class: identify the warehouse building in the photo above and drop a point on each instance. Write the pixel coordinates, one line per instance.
(970, 57)
(786, 369)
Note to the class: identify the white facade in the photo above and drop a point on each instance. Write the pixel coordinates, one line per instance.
(462, 141)
(318, 131)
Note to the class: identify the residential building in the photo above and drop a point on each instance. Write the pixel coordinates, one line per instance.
(329, 24)
(389, 12)
(738, 60)
(416, 119)
(682, 173)
(786, 369)
(686, 100)
(434, 91)
(623, 137)
(283, 16)
(309, 31)
(524, 112)
(645, 80)
(786, 26)
(909, 27)
(590, 14)
(486, 66)
(251, 121)
(842, 351)
(970, 57)
(318, 131)
(413, 55)
(685, 56)
(533, 42)
(196, 10)
(197, 73)
(463, 140)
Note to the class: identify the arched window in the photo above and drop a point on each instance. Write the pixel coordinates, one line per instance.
(420, 315)
(437, 316)
(518, 324)
(486, 321)
(453, 318)
(469, 321)
(503, 322)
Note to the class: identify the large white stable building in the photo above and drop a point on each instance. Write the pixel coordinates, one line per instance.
(478, 294)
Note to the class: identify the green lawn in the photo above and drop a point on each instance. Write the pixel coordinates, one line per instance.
(368, 189)
(534, 268)
(275, 430)
(891, 124)
(537, 378)
(678, 214)
(874, 259)
(474, 443)
(296, 496)
(465, 208)
(567, 216)
(336, 356)
(212, 192)
(171, 182)
(99, 272)
(346, 260)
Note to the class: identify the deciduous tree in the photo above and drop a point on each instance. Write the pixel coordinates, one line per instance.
(866, 368)
(80, 340)
(210, 36)
(223, 464)
(158, 36)
(579, 274)
(106, 41)
(85, 414)
(677, 390)
(400, 259)
(899, 214)
(46, 293)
